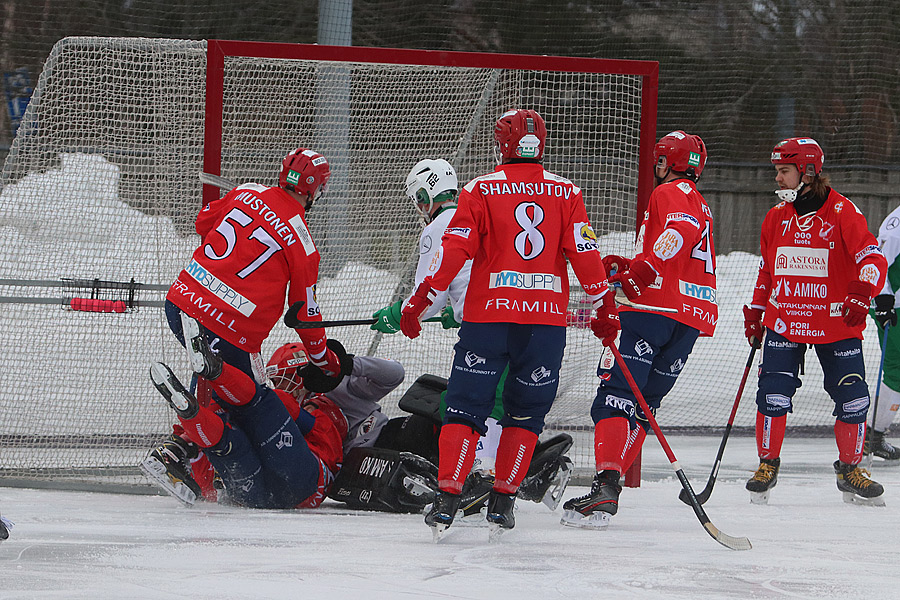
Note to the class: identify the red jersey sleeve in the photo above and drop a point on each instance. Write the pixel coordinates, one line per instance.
(582, 250)
(764, 276)
(871, 263)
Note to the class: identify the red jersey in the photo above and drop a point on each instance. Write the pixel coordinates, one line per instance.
(806, 266)
(254, 243)
(519, 224)
(676, 238)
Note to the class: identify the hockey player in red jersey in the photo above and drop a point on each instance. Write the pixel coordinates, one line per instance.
(820, 268)
(518, 224)
(255, 248)
(675, 270)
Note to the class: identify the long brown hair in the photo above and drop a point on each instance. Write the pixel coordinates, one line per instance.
(820, 185)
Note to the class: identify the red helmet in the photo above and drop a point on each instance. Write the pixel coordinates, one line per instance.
(682, 152)
(520, 134)
(305, 172)
(282, 367)
(803, 152)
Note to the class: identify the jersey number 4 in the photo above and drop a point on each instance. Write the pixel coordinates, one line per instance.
(227, 231)
(703, 251)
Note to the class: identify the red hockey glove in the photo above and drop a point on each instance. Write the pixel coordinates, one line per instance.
(328, 361)
(635, 279)
(856, 304)
(615, 264)
(606, 324)
(418, 303)
(753, 325)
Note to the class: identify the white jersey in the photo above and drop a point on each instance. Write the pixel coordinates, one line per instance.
(889, 241)
(430, 256)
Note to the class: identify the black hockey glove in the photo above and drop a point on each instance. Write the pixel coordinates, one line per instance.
(315, 379)
(884, 310)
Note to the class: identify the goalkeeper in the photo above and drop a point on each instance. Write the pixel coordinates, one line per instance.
(433, 187)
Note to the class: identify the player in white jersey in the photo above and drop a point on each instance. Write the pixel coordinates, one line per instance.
(881, 417)
(433, 187)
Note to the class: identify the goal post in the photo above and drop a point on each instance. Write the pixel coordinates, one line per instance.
(101, 184)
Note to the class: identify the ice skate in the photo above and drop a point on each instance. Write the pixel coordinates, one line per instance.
(203, 361)
(167, 467)
(762, 482)
(5, 526)
(500, 515)
(179, 398)
(442, 512)
(549, 472)
(856, 486)
(880, 447)
(474, 498)
(593, 510)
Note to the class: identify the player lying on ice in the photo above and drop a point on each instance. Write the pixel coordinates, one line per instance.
(388, 463)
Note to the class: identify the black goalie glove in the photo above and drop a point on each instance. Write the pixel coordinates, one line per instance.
(884, 310)
(315, 379)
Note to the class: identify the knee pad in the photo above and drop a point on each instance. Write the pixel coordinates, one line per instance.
(534, 424)
(851, 399)
(775, 393)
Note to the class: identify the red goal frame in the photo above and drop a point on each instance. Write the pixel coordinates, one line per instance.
(217, 50)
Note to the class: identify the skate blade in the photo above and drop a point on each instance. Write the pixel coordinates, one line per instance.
(170, 387)
(554, 495)
(496, 532)
(191, 329)
(759, 497)
(851, 498)
(156, 472)
(597, 520)
(438, 532)
(476, 519)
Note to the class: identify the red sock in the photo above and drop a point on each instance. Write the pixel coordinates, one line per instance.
(636, 439)
(850, 438)
(513, 458)
(234, 386)
(769, 435)
(610, 441)
(205, 429)
(457, 455)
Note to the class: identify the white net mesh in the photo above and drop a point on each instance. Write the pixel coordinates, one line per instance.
(101, 182)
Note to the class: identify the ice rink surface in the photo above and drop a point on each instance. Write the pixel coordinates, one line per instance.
(807, 543)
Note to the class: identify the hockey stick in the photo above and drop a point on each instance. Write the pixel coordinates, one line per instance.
(292, 320)
(734, 543)
(704, 495)
(871, 457)
(223, 183)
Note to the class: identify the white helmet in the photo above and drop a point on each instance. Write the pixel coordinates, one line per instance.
(430, 181)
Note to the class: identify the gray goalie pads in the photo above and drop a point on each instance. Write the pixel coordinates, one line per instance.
(385, 480)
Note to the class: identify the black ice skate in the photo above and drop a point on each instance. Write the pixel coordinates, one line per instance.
(763, 480)
(500, 515)
(549, 472)
(203, 361)
(5, 526)
(474, 498)
(856, 486)
(880, 447)
(179, 398)
(442, 512)
(593, 510)
(168, 468)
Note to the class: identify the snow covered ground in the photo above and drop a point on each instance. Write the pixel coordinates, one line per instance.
(807, 543)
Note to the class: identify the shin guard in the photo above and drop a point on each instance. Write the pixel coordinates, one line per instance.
(769, 435)
(611, 437)
(457, 454)
(513, 457)
(850, 438)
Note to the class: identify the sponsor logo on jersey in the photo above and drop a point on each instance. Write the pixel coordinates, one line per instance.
(700, 292)
(312, 307)
(781, 344)
(847, 353)
(839, 207)
(517, 305)
(585, 238)
(526, 281)
(526, 188)
(303, 233)
(668, 244)
(869, 273)
(778, 401)
(473, 359)
(676, 366)
(803, 289)
(679, 217)
(780, 326)
(462, 232)
(642, 347)
(685, 187)
(801, 262)
(220, 289)
(867, 251)
(805, 330)
(892, 223)
(286, 441)
(835, 309)
(825, 231)
(540, 373)
(623, 404)
(856, 405)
